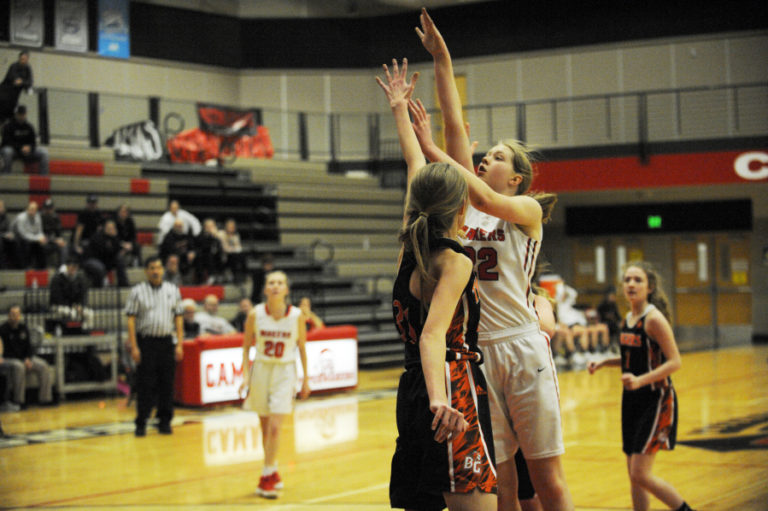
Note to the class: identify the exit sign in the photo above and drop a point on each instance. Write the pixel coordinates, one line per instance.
(654, 221)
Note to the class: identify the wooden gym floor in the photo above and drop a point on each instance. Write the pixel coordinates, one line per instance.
(335, 453)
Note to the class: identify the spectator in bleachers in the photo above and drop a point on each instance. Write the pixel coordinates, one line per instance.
(20, 141)
(104, 255)
(52, 231)
(69, 294)
(210, 256)
(191, 326)
(172, 273)
(210, 321)
(126, 232)
(30, 239)
(312, 319)
(17, 78)
(239, 320)
(18, 350)
(168, 220)
(89, 221)
(608, 311)
(257, 277)
(8, 249)
(178, 242)
(233, 250)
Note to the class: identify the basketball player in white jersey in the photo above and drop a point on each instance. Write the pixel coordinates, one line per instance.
(278, 330)
(503, 230)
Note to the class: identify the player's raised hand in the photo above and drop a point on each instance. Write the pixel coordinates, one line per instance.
(397, 88)
(430, 37)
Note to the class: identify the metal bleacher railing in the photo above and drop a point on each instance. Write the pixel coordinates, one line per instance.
(634, 118)
(62, 338)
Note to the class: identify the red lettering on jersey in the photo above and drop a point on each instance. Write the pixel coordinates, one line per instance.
(500, 234)
(630, 339)
(471, 233)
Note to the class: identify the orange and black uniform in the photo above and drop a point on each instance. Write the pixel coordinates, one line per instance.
(422, 469)
(648, 414)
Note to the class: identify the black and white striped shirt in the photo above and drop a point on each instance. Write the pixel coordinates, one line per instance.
(155, 308)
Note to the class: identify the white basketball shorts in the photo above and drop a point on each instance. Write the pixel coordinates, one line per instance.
(524, 393)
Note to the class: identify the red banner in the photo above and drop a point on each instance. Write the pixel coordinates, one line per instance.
(692, 169)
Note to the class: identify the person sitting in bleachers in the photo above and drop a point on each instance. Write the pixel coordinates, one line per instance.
(52, 231)
(172, 274)
(89, 222)
(239, 320)
(126, 233)
(191, 224)
(30, 240)
(586, 336)
(312, 319)
(104, 254)
(17, 350)
(210, 321)
(69, 295)
(8, 250)
(191, 326)
(233, 250)
(210, 256)
(20, 141)
(178, 242)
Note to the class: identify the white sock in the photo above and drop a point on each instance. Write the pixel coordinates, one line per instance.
(269, 470)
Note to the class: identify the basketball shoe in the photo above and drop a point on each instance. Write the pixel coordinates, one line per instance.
(268, 486)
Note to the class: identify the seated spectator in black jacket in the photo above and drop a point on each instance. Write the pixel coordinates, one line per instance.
(210, 255)
(30, 240)
(69, 295)
(89, 222)
(126, 232)
(172, 274)
(8, 251)
(104, 254)
(20, 141)
(239, 320)
(178, 242)
(52, 231)
(191, 326)
(17, 351)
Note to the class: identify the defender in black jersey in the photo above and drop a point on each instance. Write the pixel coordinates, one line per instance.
(648, 357)
(422, 468)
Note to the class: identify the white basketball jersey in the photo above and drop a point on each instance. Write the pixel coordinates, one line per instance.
(505, 260)
(276, 338)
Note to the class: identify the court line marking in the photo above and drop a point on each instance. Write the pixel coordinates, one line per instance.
(366, 489)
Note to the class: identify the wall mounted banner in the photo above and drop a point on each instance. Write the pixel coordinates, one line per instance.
(27, 22)
(114, 29)
(71, 18)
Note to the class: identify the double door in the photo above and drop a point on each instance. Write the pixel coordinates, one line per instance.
(706, 276)
(712, 293)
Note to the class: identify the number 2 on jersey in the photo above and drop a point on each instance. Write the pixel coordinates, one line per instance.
(486, 259)
(274, 349)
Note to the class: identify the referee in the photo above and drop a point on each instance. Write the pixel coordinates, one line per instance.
(154, 316)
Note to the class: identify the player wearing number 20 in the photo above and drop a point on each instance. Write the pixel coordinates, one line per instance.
(278, 332)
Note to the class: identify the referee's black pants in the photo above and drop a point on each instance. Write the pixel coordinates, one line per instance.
(154, 379)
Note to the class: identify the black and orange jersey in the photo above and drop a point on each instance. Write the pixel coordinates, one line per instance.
(640, 353)
(461, 337)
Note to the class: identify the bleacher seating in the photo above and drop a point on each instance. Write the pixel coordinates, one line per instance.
(280, 207)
